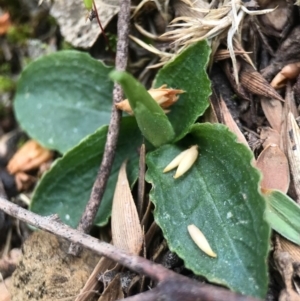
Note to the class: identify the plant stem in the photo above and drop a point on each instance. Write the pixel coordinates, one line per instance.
(100, 25)
(171, 286)
(98, 189)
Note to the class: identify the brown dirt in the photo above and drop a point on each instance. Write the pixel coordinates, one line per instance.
(46, 272)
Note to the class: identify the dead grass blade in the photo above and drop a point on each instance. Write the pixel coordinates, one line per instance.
(293, 149)
(127, 232)
(92, 284)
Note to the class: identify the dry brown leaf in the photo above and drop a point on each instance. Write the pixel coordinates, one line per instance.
(92, 283)
(274, 166)
(30, 156)
(113, 291)
(4, 289)
(4, 23)
(293, 150)
(273, 112)
(231, 123)
(127, 232)
(269, 136)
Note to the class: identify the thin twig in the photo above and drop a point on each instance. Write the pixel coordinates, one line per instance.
(171, 286)
(98, 189)
(100, 25)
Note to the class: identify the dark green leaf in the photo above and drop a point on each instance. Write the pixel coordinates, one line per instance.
(63, 97)
(65, 189)
(187, 72)
(283, 215)
(152, 120)
(220, 195)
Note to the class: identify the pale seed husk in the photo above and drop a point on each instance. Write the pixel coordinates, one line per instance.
(200, 240)
(175, 162)
(189, 158)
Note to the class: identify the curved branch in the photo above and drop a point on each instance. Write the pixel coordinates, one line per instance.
(171, 286)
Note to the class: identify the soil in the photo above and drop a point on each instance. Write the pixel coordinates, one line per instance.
(46, 272)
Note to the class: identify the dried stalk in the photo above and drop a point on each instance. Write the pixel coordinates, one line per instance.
(171, 286)
(99, 186)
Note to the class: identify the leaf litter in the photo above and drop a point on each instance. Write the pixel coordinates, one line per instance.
(259, 104)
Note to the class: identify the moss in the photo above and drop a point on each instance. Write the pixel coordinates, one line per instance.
(112, 40)
(19, 34)
(6, 84)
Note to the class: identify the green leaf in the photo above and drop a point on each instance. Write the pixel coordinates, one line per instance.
(283, 215)
(88, 4)
(66, 188)
(151, 119)
(220, 195)
(187, 72)
(63, 97)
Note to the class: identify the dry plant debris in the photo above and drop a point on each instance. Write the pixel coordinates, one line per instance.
(261, 109)
(30, 156)
(274, 167)
(210, 24)
(5, 23)
(127, 232)
(164, 96)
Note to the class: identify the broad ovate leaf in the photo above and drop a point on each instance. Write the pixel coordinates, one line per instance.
(283, 215)
(63, 97)
(152, 120)
(187, 72)
(220, 196)
(66, 187)
(127, 233)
